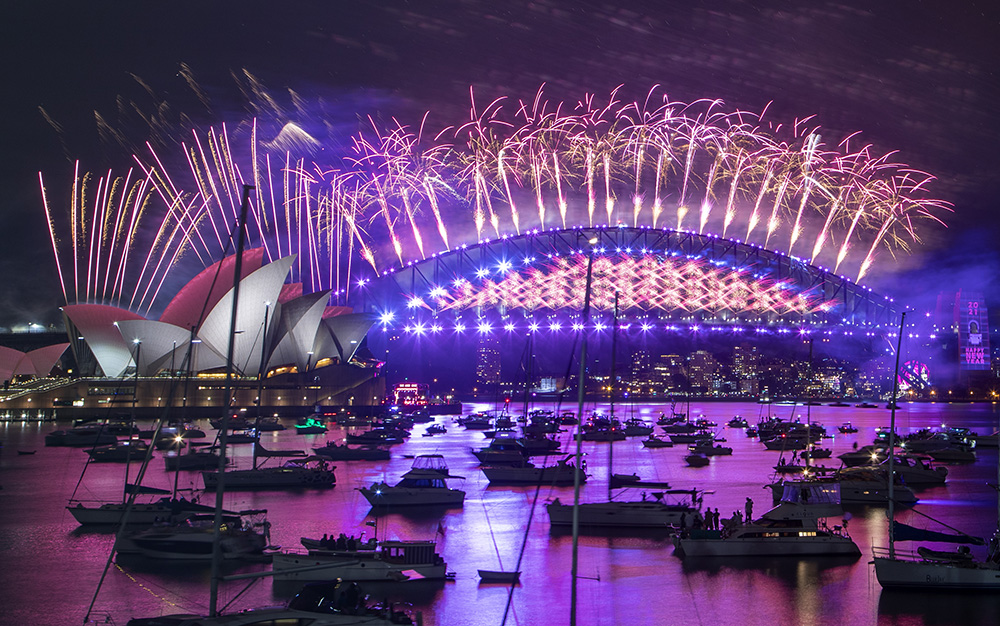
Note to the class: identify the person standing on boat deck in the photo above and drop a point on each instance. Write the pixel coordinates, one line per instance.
(749, 509)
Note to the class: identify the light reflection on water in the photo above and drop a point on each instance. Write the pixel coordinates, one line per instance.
(624, 577)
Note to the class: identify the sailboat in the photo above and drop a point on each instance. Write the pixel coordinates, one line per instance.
(127, 511)
(562, 473)
(926, 568)
(655, 512)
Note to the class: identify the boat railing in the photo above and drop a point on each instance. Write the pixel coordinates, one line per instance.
(899, 555)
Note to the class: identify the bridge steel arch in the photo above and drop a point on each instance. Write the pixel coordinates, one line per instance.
(406, 295)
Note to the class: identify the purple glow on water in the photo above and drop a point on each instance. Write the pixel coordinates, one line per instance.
(624, 578)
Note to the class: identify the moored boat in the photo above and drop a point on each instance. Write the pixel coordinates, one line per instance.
(193, 459)
(193, 539)
(696, 459)
(653, 512)
(562, 473)
(655, 442)
(498, 576)
(119, 452)
(391, 561)
(81, 436)
(858, 485)
(344, 452)
(795, 527)
(113, 513)
(423, 485)
(311, 472)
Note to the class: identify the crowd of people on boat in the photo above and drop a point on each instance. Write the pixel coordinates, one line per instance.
(712, 520)
(346, 543)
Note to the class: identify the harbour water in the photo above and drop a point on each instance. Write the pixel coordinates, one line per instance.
(51, 567)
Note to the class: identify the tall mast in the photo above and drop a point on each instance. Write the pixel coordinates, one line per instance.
(611, 395)
(527, 376)
(131, 425)
(892, 439)
(581, 384)
(224, 426)
(260, 383)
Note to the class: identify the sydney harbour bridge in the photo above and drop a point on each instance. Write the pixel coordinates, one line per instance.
(661, 277)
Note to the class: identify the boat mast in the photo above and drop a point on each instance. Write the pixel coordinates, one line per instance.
(581, 384)
(527, 376)
(224, 426)
(892, 439)
(260, 383)
(809, 439)
(611, 397)
(131, 425)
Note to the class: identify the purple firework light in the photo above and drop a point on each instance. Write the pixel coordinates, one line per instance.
(403, 195)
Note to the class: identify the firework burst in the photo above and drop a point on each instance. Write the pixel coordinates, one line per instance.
(403, 194)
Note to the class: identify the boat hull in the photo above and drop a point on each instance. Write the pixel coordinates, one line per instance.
(345, 453)
(905, 574)
(111, 514)
(552, 475)
(406, 496)
(195, 546)
(780, 546)
(639, 514)
(314, 567)
(496, 576)
(862, 492)
(272, 478)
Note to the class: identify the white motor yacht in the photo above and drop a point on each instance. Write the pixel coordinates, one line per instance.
(504, 448)
(796, 527)
(423, 485)
(858, 485)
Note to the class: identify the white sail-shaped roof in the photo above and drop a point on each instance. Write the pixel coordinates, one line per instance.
(96, 323)
(42, 360)
(348, 331)
(9, 358)
(258, 293)
(161, 345)
(296, 330)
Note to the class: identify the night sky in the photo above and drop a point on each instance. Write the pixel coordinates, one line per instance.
(917, 77)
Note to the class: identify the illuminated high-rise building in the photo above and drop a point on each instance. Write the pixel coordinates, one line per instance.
(701, 371)
(488, 360)
(746, 368)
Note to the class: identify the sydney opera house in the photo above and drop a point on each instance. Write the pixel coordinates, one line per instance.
(291, 352)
